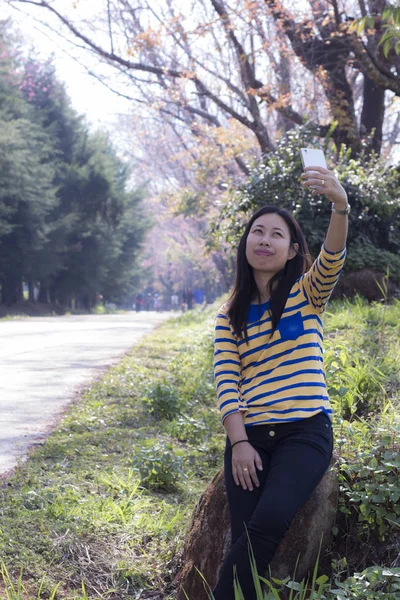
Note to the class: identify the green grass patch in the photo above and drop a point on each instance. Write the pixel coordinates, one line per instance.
(107, 499)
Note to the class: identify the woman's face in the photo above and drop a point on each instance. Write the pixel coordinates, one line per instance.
(268, 246)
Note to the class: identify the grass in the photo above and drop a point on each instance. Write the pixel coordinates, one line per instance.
(95, 513)
(76, 510)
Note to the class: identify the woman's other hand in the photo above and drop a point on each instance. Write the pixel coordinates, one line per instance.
(245, 459)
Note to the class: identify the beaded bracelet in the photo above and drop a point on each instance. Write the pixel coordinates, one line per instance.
(239, 442)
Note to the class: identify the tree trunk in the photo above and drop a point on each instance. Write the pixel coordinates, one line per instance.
(31, 289)
(12, 291)
(340, 98)
(284, 124)
(373, 114)
(225, 265)
(43, 294)
(52, 294)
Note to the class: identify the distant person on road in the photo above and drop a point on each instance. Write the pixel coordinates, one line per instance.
(157, 302)
(174, 301)
(138, 302)
(198, 296)
(270, 378)
(189, 299)
(184, 301)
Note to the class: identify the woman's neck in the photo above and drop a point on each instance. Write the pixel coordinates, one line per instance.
(262, 279)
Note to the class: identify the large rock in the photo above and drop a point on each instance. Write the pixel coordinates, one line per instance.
(208, 539)
(365, 282)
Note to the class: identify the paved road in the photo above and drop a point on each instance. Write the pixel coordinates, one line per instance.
(44, 362)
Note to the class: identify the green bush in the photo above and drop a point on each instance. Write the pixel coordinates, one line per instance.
(374, 583)
(188, 429)
(372, 186)
(159, 466)
(356, 385)
(370, 486)
(364, 255)
(162, 401)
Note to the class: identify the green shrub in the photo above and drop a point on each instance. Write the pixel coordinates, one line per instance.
(355, 383)
(370, 486)
(159, 466)
(162, 401)
(364, 255)
(188, 429)
(374, 583)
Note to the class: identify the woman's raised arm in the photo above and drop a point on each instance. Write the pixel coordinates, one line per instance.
(323, 181)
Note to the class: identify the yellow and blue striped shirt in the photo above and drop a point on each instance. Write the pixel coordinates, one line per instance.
(279, 378)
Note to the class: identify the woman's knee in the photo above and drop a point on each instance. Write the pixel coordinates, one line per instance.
(267, 529)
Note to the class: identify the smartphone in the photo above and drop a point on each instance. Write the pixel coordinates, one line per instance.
(310, 157)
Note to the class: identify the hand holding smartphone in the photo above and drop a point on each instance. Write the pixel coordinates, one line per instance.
(311, 157)
(323, 181)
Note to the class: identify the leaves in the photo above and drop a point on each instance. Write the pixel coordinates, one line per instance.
(370, 487)
(391, 27)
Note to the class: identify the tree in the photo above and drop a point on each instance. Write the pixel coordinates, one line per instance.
(105, 231)
(178, 258)
(27, 192)
(68, 221)
(259, 62)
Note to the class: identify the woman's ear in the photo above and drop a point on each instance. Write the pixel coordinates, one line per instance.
(294, 248)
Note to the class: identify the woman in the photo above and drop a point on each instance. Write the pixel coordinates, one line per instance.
(270, 378)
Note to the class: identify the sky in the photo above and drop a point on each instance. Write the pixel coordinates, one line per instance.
(101, 106)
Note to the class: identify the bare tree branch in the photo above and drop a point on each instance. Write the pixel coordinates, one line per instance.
(248, 77)
(111, 56)
(331, 55)
(214, 81)
(109, 26)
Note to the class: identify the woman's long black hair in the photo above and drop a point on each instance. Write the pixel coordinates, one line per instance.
(245, 288)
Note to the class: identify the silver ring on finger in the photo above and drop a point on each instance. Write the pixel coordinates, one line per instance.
(245, 469)
(323, 182)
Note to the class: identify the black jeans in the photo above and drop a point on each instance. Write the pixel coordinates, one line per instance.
(295, 457)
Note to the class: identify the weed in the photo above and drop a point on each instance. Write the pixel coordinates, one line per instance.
(159, 465)
(370, 485)
(162, 401)
(19, 591)
(188, 429)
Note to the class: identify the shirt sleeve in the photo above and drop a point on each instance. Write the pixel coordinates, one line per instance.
(319, 281)
(227, 367)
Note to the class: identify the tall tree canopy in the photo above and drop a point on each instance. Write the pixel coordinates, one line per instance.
(70, 226)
